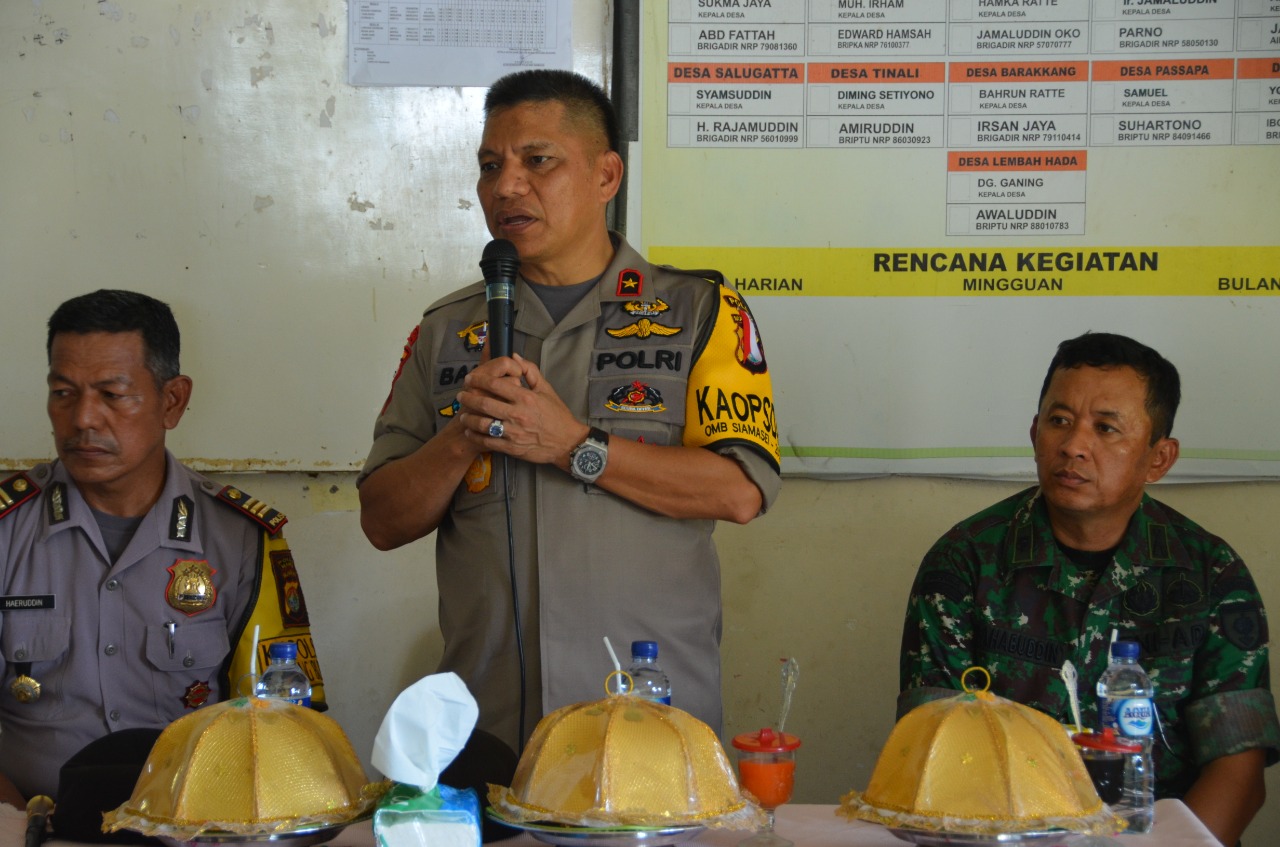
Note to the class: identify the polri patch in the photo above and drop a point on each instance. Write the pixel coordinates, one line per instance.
(293, 606)
(404, 357)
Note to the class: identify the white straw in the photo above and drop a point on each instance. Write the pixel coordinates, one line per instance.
(1070, 679)
(253, 657)
(617, 666)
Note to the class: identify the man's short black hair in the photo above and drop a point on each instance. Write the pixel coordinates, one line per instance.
(1107, 350)
(110, 310)
(583, 100)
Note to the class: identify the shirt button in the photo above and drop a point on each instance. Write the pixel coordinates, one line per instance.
(113, 584)
(111, 649)
(115, 714)
(20, 655)
(188, 662)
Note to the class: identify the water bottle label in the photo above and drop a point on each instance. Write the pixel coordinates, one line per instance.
(666, 700)
(1135, 717)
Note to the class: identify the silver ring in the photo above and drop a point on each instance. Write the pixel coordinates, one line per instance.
(496, 429)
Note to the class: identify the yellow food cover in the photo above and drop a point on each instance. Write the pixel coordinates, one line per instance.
(247, 766)
(983, 765)
(625, 761)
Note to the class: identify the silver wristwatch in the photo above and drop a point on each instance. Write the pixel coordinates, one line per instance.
(587, 460)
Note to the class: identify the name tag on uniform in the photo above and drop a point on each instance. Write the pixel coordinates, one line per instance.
(14, 602)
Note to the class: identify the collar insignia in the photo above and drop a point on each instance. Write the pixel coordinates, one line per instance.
(191, 589)
(58, 502)
(630, 283)
(180, 520)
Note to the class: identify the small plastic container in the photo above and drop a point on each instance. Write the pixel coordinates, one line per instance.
(1104, 755)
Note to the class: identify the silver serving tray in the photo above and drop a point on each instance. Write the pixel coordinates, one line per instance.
(582, 836)
(931, 838)
(304, 837)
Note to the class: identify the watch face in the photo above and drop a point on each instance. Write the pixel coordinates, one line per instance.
(589, 462)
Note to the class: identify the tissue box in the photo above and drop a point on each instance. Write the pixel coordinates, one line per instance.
(441, 817)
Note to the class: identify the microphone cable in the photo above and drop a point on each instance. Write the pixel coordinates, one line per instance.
(515, 596)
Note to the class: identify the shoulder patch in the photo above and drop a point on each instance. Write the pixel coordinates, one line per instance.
(252, 508)
(15, 491)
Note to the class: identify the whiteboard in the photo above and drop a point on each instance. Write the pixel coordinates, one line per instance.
(882, 368)
(213, 156)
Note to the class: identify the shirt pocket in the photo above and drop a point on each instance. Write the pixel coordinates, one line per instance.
(197, 655)
(42, 640)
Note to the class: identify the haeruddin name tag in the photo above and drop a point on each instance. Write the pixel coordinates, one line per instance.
(14, 602)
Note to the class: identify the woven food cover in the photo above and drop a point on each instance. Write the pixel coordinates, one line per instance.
(247, 766)
(625, 761)
(979, 764)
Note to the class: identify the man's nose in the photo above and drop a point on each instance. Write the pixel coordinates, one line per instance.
(1078, 440)
(87, 413)
(511, 182)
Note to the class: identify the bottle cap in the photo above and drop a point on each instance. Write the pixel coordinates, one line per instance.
(644, 649)
(1105, 739)
(766, 741)
(1125, 649)
(283, 650)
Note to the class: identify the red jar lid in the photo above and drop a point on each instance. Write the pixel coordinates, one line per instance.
(1106, 740)
(766, 741)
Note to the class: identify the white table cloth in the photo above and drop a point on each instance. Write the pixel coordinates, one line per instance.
(806, 825)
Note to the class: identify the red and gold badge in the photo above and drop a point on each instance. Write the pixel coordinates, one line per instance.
(197, 694)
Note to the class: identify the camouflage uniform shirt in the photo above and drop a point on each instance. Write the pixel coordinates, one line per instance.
(998, 591)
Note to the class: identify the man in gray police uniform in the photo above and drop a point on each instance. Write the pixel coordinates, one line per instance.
(130, 586)
(636, 412)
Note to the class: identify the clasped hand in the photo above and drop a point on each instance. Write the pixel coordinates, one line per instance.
(537, 426)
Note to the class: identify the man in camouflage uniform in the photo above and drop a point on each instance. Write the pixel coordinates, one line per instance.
(1046, 575)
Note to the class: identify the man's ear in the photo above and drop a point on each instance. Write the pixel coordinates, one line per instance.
(1035, 427)
(1163, 456)
(610, 169)
(175, 395)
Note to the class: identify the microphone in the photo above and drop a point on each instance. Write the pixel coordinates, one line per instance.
(499, 263)
(38, 809)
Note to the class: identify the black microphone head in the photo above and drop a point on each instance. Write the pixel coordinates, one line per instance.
(499, 259)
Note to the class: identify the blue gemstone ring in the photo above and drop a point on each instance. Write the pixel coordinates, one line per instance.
(495, 429)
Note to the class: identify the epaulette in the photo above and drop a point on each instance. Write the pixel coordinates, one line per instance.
(15, 491)
(710, 275)
(252, 508)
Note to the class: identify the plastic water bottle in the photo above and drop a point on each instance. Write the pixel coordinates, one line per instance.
(283, 679)
(649, 680)
(1126, 703)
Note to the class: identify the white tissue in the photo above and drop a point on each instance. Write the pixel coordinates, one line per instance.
(425, 728)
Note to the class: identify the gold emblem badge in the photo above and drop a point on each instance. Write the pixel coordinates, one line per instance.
(25, 689)
(191, 589)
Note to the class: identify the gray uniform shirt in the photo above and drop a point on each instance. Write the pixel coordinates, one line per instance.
(588, 564)
(98, 644)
